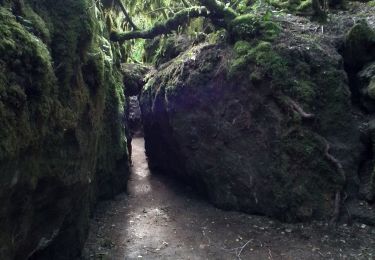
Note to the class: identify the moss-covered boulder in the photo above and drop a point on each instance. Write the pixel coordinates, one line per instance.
(62, 143)
(262, 127)
(359, 46)
(134, 77)
(359, 52)
(366, 87)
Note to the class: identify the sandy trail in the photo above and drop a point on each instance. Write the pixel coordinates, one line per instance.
(160, 219)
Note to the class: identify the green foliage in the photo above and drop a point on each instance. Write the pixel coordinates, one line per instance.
(135, 50)
(304, 6)
(146, 14)
(242, 6)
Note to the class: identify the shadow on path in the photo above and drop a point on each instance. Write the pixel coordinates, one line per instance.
(162, 219)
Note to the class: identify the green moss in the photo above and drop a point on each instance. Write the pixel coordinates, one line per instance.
(262, 55)
(61, 112)
(307, 181)
(246, 26)
(217, 36)
(242, 48)
(359, 44)
(266, 57)
(36, 25)
(371, 3)
(25, 91)
(334, 110)
(304, 91)
(249, 26)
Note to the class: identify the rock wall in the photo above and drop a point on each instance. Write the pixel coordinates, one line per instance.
(263, 125)
(62, 141)
(359, 56)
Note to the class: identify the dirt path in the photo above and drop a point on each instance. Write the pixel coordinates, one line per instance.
(161, 219)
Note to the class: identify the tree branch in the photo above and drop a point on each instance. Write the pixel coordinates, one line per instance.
(127, 16)
(219, 9)
(289, 104)
(169, 25)
(186, 4)
(221, 15)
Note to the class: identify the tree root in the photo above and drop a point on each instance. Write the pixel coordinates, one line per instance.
(333, 160)
(289, 104)
(297, 108)
(340, 170)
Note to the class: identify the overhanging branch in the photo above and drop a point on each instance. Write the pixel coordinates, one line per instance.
(220, 14)
(180, 18)
(219, 10)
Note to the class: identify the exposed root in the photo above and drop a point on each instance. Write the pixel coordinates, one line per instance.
(238, 250)
(289, 104)
(289, 131)
(297, 108)
(333, 160)
(340, 170)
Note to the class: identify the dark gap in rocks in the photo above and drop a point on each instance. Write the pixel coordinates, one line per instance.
(133, 122)
(135, 117)
(358, 54)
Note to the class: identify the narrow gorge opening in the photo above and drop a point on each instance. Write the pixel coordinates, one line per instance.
(194, 129)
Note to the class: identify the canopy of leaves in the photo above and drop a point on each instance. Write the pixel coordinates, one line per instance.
(145, 14)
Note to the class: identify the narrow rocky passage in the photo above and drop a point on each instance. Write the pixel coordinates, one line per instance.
(160, 219)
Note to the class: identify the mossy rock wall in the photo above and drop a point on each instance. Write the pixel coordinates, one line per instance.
(359, 56)
(62, 142)
(225, 118)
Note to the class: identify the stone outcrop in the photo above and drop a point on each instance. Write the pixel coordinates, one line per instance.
(62, 142)
(263, 125)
